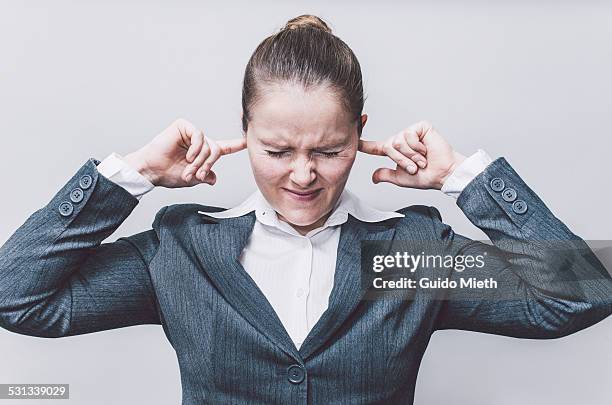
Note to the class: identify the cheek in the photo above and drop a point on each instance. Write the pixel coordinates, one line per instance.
(335, 168)
(267, 170)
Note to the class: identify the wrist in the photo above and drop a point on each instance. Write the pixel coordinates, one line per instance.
(137, 161)
(458, 158)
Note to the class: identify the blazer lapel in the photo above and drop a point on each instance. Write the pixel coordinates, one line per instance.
(218, 246)
(347, 291)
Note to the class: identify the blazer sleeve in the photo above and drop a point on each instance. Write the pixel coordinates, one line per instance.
(57, 279)
(549, 282)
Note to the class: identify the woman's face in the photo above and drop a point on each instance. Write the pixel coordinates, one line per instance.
(301, 142)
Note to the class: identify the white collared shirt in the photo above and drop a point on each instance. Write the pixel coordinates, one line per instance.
(294, 272)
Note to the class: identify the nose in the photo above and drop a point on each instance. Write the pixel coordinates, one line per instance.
(302, 172)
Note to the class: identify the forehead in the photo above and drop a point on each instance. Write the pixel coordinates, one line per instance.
(288, 115)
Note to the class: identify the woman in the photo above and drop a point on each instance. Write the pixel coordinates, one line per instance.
(263, 302)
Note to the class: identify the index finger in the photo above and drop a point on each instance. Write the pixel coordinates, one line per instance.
(228, 146)
(371, 147)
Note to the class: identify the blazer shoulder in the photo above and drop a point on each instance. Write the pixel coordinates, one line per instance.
(180, 214)
(420, 213)
(421, 222)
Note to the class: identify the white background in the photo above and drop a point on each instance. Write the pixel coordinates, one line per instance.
(529, 81)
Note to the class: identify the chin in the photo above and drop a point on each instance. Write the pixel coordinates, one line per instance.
(301, 220)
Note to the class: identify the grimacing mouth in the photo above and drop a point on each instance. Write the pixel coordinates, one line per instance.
(303, 192)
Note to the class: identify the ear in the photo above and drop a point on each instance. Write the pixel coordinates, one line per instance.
(364, 119)
(241, 118)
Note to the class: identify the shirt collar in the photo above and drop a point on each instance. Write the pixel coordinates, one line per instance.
(348, 203)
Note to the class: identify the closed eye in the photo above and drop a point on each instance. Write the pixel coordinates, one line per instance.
(276, 154)
(280, 154)
(329, 154)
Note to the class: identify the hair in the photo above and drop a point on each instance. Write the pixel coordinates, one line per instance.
(305, 52)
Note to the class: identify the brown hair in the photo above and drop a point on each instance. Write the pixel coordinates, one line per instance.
(306, 52)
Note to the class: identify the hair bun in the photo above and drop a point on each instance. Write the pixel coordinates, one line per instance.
(307, 21)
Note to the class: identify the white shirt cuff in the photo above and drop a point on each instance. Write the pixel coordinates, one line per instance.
(118, 171)
(465, 172)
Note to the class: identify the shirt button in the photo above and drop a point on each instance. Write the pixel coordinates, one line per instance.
(66, 209)
(85, 182)
(519, 206)
(300, 292)
(295, 374)
(76, 196)
(509, 194)
(497, 184)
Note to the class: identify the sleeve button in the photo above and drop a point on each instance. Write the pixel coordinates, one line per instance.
(519, 206)
(509, 194)
(497, 184)
(85, 182)
(76, 196)
(66, 209)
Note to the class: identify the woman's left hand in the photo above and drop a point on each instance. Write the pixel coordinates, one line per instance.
(424, 159)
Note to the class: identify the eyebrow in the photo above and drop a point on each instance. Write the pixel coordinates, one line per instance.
(283, 146)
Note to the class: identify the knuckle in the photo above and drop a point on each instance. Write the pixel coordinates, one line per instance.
(196, 162)
(203, 150)
(209, 144)
(180, 121)
(426, 124)
(201, 158)
(215, 152)
(205, 147)
(207, 164)
(411, 136)
(397, 143)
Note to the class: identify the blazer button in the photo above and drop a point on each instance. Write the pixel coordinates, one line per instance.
(66, 209)
(295, 374)
(509, 194)
(76, 196)
(519, 206)
(85, 182)
(497, 184)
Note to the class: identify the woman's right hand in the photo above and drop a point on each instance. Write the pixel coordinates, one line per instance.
(181, 156)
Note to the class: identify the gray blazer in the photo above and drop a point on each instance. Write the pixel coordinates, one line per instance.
(57, 279)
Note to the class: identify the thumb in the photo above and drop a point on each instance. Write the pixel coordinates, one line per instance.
(387, 175)
(211, 178)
